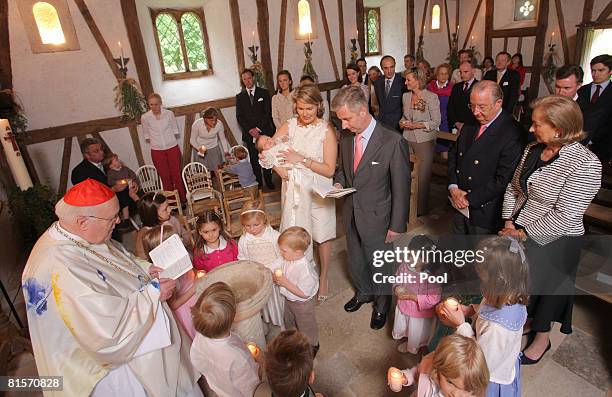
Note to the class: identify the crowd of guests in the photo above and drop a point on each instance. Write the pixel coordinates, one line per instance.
(125, 329)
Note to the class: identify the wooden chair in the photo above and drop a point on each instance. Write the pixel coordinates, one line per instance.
(227, 180)
(213, 202)
(174, 201)
(233, 200)
(198, 187)
(149, 179)
(272, 206)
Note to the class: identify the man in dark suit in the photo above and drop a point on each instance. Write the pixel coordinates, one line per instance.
(509, 80)
(389, 91)
(254, 115)
(458, 111)
(595, 100)
(375, 161)
(363, 70)
(483, 161)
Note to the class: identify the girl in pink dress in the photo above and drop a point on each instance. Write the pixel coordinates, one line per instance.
(213, 246)
(184, 297)
(415, 317)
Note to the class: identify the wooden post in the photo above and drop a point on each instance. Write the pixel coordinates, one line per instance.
(330, 47)
(29, 163)
(341, 32)
(538, 52)
(63, 183)
(489, 28)
(360, 20)
(469, 32)
(605, 13)
(136, 143)
(189, 119)
(263, 27)
(281, 36)
(563, 34)
(410, 26)
(519, 45)
(226, 130)
(447, 24)
(139, 55)
(237, 30)
(424, 18)
(6, 73)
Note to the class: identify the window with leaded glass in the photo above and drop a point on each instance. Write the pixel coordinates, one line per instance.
(372, 29)
(182, 43)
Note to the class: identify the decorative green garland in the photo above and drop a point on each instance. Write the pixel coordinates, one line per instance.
(129, 99)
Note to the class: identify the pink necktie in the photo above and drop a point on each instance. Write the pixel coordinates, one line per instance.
(358, 151)
(482, 128)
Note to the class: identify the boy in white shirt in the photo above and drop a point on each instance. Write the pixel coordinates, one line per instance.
(217, 353)
(298, 282)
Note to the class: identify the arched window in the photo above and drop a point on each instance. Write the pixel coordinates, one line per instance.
(48, 23)
(182, 43)
(372, 22)
(435, 17)
(305, 23)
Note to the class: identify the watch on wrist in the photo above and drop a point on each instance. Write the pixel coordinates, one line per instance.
(305, 162)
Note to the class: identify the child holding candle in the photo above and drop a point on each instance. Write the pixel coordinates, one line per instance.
(259, 243)
(183, 298)
(298, 283)
(217, 353)
(416, 301)
(118, 173)
(457, 368)
(213, 247)
(504, 277)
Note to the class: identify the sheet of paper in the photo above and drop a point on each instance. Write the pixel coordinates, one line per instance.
(464, 211)
(171, 256)
(328, 190)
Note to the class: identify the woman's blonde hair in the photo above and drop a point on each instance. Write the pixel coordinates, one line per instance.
(310, 94)
(253, 209)
(459, 357)
(419, 76)
(214, 311)
(155, 236)
(562, 114)
(446, 66)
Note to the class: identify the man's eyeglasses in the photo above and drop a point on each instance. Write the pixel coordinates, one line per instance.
(481, 108)
(113, 219)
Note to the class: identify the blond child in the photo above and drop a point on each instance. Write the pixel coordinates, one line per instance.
(119, 175)
(183, 298)
(298, 282)
(217, 353)
(456, 368)
(259, 243)
(242, 168)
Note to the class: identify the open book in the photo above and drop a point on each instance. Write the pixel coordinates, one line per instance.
(171, 256)
(329, 191)
(464, 211)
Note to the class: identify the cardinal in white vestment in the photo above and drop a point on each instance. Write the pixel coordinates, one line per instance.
(96, 317)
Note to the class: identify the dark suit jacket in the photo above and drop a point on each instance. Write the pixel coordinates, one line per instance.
(484, 167)
(597, 120)
(382, 180)
(85, 169)
(457, 110)
(510, 84)
(259, 114)
(390, 107)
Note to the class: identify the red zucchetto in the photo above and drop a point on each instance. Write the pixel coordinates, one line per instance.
(88, 193)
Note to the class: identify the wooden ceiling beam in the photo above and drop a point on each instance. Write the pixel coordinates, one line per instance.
(538, 52)
(341, 32)
(488, 27)
(410, 25)
(469, 32)
(448, 34)
(519, 32)
(263, 28)
(139, 54)
(563, 33)
(605, 13)
(360, 23)
(237, 31)
(6, 71)
(330, 47)
(281, 36)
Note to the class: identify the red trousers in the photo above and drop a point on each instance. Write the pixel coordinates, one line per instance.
(168, 164)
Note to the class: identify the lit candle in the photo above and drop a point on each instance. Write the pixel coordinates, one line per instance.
(200, 273)
(552, 38)
(395, 379)
(452, 304)
(122, 63)
(457, 32)
(202, 148)
(124, 181)
(278, 272)
(253, 39)
(254, 349)
(472, 41)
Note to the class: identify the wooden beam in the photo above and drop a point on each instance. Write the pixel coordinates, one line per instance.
(506, 43)
(563, 33)
(63, 182)
(281, 36)
(330, 47)
(102, 141)
(469, 32)
(341, 32)
(189, 119)
(139, 55)
(587, 11)
(518, 32)
(6, 72)
(263, 28)
(237, 30)
(519, 45)
(423, 19)
(410, 26)
(488, 41)
(136, 143)
(98, 37)
(457, 17)
(447, 24)
(360, 23)
(231, 139)
(29, 164)
(605, 13)
(538, 52)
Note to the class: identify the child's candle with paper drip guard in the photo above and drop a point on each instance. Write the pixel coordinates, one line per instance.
(254, 349)
(202, 148)
(200, 273)
(278, 272)
(452, 304)
(395, 379)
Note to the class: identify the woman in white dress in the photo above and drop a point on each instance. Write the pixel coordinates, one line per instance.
(313, 156)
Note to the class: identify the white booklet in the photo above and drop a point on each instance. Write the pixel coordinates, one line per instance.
(464, 211)
(329, 191)
(171, 256)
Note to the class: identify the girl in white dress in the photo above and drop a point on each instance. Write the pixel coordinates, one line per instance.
(259, 243)
(313, 153)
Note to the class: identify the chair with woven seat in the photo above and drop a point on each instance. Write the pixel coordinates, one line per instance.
(198, 185)
(149, 179)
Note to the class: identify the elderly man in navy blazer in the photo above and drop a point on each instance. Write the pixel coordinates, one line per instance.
(482, 163)
(389, 91)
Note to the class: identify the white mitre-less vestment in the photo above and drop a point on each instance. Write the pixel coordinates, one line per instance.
(102, 327)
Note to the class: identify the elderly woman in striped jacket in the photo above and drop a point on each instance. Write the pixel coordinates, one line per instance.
(544, 203)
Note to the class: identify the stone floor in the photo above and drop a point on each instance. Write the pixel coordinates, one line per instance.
(353, 359)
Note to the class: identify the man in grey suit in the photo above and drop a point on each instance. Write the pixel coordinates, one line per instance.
(375, 161)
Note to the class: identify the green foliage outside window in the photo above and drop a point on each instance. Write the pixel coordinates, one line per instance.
(194, 44)
(372, 31)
